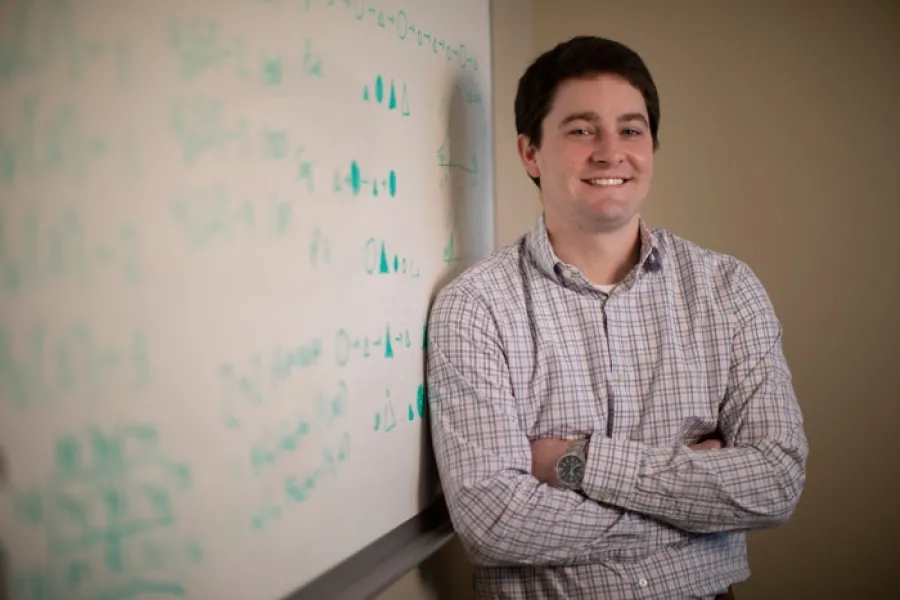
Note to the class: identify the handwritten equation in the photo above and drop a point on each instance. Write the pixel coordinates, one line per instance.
(53, 141)
(43, 247)
(129, 146)
(200, 47)
(386, 416)
(49, 35)
(379, 261)
(57, 363)
(108, 514)
(399, 24)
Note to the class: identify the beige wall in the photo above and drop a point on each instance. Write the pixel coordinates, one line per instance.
(780, 135)
(512, 45)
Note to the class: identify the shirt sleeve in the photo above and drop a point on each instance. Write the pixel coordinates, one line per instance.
(756, 480)
(501, 513)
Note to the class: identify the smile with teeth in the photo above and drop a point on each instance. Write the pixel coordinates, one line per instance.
(606, 181)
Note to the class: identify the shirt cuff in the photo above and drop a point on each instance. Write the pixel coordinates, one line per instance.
(612, 469)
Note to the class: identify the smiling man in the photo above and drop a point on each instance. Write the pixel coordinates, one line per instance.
(611, 407)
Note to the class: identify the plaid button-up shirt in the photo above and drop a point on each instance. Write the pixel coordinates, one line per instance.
(522, 346)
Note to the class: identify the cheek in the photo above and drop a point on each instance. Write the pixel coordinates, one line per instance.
(563, 161)
(643, 164)
(648, 171)
(549, 166)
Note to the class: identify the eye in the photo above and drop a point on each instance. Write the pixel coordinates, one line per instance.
(580, 132)
(633, 132)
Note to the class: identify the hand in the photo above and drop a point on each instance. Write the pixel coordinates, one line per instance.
(710, 444)
(544, 455)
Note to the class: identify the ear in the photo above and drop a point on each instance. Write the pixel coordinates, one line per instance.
(528, 155)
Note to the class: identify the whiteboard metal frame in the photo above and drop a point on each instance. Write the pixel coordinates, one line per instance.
(379, 565)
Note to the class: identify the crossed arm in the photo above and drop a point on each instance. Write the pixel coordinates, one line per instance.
(494, 478)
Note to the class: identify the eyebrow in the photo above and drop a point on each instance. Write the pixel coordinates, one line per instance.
(593, 117)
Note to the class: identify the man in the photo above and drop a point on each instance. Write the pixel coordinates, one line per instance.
(611, 407)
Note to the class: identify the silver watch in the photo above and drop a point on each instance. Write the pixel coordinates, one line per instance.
(570, 466)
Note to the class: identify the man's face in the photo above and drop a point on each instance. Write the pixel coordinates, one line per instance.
(596, 156)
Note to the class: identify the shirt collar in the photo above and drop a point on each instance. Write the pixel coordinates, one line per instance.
(539, 244)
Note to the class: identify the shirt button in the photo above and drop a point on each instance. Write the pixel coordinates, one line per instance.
(642, 582)
(620, 377)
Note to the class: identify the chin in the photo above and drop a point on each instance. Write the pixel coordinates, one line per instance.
(610, 215)
(612, 203)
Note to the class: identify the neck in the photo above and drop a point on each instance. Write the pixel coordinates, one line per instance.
(605, 257)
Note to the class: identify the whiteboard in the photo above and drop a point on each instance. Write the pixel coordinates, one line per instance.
(222, 224)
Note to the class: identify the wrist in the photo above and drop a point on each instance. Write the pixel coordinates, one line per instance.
(570, 467)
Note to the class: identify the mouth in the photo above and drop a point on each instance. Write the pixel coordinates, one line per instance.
(607, 182)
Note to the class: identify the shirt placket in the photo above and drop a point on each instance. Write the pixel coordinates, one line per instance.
(623, 414)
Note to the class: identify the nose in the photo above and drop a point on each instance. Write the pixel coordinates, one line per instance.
(608, 150)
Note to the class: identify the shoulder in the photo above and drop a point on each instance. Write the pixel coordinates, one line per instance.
(726, 278)
(482, 289)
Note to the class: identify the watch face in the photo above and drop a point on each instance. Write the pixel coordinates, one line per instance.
(570, 470)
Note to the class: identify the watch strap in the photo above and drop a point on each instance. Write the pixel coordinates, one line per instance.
(579, 447)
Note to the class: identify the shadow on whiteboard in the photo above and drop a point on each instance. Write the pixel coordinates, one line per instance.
(464, 156)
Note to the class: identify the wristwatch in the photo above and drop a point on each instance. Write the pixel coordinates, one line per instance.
(570, 466)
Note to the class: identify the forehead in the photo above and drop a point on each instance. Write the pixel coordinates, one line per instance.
(604, 94)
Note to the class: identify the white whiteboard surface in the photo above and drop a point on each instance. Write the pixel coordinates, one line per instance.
(221, 226)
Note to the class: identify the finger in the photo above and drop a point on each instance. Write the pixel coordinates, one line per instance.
(707, 445)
